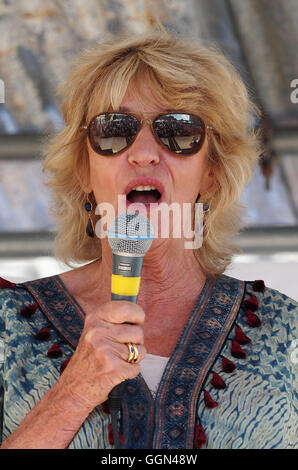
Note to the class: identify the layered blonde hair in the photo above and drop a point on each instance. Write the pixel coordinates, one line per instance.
(182, 75)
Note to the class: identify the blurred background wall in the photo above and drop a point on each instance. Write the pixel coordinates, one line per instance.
(38, 43)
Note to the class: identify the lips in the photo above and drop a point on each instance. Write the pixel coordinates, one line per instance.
(149, 190)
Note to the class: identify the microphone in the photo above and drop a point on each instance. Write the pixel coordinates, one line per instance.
(130, 236)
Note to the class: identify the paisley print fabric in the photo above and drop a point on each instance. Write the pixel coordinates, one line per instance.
(230, 383)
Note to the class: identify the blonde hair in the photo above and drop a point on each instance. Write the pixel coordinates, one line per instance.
(183, 75)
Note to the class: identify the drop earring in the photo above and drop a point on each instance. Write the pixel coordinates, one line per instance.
(90, 225)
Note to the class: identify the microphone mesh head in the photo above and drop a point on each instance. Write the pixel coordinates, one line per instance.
(131, 233)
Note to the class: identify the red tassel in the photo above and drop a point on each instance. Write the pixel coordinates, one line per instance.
(252, 319)
(28, 311)
(240, 337)
(227, 365)
(237, 351)
(217, 382)
(209, 402)
(6, 283)
(111, 437)
(54, 351)
(64, 365)
(258, 286)
(43, 335)
(200, 437)
(251, 303)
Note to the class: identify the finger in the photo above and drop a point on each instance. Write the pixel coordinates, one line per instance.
(126, 353)
(127, 371)
(114, 335)
(125, 333)
(122, 311)
(130, 371)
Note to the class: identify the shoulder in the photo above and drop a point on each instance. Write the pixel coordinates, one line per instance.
(12, 295)
(15, 302)
(257, 295)
(271, 302)
(276, 315)
(18, 302)
(263, 305)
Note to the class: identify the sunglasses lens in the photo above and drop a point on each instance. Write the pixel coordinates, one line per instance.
(183, 134)
(110, 133)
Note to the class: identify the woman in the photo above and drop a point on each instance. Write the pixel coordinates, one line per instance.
(202, 357)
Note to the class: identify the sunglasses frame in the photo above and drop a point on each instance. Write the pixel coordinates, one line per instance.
(150, 121)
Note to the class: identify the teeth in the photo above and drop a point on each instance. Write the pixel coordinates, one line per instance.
(144, 188)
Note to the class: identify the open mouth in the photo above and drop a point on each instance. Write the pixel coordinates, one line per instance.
(144, 195)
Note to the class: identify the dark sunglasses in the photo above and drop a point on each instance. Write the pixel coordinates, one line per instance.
(180, 133)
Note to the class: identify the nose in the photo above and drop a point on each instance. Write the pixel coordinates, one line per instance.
(145, 150)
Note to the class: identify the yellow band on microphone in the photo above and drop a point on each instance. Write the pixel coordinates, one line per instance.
(122, 285)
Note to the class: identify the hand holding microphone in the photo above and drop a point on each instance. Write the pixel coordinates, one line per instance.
(102, 359)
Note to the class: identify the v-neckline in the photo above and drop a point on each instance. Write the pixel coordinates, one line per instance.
(200, 342)
(168, 421)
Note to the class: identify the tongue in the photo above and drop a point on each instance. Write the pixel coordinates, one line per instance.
(143, 196)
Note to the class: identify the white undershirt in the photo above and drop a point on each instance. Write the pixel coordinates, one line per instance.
(152, 368)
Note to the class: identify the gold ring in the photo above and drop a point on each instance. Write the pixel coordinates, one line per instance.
(133, 353)
(136, 355)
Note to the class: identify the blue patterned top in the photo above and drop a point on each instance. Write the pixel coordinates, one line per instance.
(231, 382)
